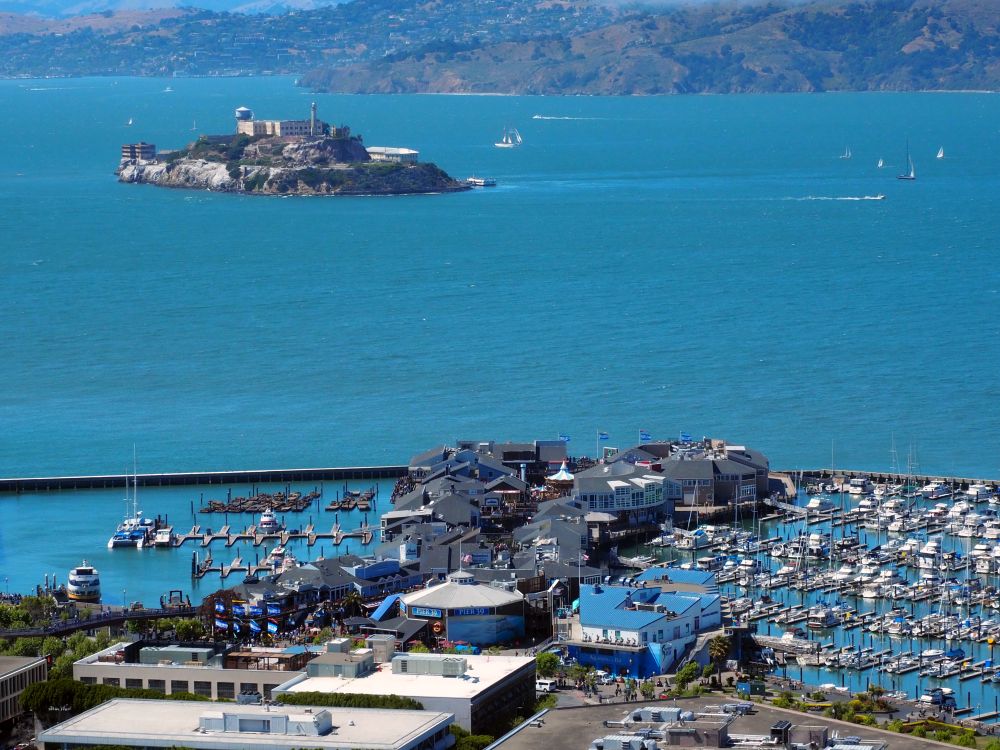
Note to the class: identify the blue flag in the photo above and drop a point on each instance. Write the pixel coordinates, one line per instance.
(643, 435)
(685, 437)
(602, 436)
(564, 438)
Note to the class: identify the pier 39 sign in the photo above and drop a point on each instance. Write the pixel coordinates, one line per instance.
(431, 612)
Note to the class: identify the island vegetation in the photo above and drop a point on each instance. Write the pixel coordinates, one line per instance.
(538, 46)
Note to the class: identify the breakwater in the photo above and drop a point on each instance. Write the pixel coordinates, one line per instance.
(193, 478)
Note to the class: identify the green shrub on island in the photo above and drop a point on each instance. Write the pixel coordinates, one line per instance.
(464, 740)
(349, 700)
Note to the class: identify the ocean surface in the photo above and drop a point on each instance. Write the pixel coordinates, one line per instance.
(699, 264)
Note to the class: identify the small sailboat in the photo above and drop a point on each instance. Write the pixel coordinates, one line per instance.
(911, 172)
(847, 153)
(168, 90)
(940, 153)
(881, 163)
(194, 125)
(129, 123)
(511, 139)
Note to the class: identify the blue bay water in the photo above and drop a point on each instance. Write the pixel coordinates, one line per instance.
(704, 264)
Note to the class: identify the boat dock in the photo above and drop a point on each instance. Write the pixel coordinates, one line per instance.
(336, 534)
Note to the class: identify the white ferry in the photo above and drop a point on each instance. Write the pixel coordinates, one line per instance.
(84, 584)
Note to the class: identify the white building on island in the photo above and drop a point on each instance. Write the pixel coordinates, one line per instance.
(393, 154)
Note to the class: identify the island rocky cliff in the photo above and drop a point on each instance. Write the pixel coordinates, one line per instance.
(266, 165)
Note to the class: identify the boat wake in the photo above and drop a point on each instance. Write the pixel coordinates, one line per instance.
(558, 117)
(878, 197)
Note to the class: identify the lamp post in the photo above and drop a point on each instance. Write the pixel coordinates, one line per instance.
(124, 600)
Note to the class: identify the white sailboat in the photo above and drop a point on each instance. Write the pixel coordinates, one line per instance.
(847, 153)
(911, 172)
(511, 139)
(129, 123)
(194, 125)
(881, 163)
(940, 153)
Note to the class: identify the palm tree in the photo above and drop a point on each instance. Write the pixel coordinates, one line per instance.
(718, 651)
(352, 602)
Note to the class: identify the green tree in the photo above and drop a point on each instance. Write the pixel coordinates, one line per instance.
(189, 630)
(418, 648)
(546, 664)
(647, 689)
(707, 671)
(352, 603)
(687, 673)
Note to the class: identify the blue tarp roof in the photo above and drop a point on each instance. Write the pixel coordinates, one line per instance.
(383, 609)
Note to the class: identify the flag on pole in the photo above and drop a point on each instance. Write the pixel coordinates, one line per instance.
(564, 438)
(685, 437)
(645, 435)
(602, 435)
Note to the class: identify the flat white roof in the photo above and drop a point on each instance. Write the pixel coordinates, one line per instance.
(394, 150)
(175, 723)
(484, 672)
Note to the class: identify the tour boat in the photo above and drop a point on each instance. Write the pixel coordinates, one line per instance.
(480, 181)
(511, 139)
(84, 584)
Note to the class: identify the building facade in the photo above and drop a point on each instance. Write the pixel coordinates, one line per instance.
(16, 673)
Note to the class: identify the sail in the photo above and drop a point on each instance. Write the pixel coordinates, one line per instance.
(880, 164)
(940, 153)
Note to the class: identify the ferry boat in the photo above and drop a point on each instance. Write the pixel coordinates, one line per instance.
(84, 584)
(480, 182)
(268, 522)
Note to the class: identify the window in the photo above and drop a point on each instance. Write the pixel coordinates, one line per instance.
(88, 680)
(116, 682)
(248, 687)
(203, 688)
(179, 686)
(157, 685)
(131, 682)
(268, 690)
(226, 690)
(677, 632)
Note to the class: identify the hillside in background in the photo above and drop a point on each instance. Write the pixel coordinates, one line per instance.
(536, 46)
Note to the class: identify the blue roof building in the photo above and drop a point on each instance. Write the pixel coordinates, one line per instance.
(642, 629)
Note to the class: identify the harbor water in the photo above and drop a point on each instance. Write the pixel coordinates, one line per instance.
(705, 264)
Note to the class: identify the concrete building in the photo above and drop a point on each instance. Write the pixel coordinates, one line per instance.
(141, 150)
(191, 724)
(246, 124)
(393, 155)
(200, 670)
(16, 673)
(463, 610)
(482, 692)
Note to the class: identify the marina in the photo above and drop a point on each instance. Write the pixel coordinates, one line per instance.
(894, 584)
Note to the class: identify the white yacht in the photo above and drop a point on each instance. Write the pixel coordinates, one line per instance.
(134, 530)
(819, 505)
(845, 573)
(84, 584)
(929, 556)
(860, 486)
(268, 523)
(978, 493)
(936, 490)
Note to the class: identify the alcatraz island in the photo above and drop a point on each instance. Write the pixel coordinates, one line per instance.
(285, 157)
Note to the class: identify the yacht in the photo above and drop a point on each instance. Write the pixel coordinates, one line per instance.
(819, 505)
(845, 573)
(871, 591)
(268, 522)
(821, 618)
(978, 493)
(511, 139)
(134, 530)
(84, 584)
(929, 556)
(860, 486)
(935, 491)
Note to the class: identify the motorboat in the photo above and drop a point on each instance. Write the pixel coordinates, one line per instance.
(978, 493)
(819, 505)
(936, 490)
(84, 584)
(821, 618)
(164, 537)
(860, 485)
